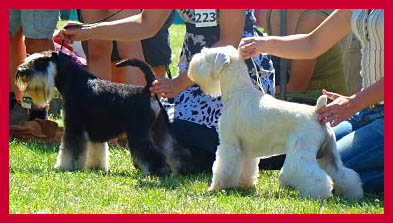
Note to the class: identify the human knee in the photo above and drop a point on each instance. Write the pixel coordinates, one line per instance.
(99, 50)
(38, 45)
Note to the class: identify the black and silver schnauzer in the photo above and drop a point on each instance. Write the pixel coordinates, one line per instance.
(96, 111)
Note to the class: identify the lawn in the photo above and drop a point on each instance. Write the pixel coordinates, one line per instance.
(35, 187)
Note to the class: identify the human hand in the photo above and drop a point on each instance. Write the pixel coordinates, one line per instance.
(165, 87)
(337, 111)
(58, 40)
(75, 31)
(250, 46)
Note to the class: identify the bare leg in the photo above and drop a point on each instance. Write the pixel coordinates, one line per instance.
(132, 49)
(17, 53)
(99, 51)
(38, 45)
(159, 71)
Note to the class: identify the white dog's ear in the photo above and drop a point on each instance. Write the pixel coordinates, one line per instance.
(222, 59)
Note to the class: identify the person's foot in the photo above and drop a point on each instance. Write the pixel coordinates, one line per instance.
(17, 114)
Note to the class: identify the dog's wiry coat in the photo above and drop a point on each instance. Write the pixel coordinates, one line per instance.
(96, 110)
(254, 125)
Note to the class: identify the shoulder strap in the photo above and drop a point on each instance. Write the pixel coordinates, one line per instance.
(268, 22)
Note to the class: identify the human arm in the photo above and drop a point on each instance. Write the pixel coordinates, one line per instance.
(344, 107)
(302, 70)
(301, 46)
(142, 26)
(231, 30)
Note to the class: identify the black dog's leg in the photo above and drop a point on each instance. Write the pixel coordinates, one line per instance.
(182, 159)
(145, 154)
(72, 153)
(176, 156)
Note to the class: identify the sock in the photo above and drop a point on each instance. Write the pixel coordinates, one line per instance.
(38, 113)
(12, 100)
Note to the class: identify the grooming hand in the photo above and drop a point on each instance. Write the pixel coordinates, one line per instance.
(75, 31)
(165, 87)
(337, 111)
(250, 47)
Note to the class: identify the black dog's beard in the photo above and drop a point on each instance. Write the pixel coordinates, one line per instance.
(40, 85)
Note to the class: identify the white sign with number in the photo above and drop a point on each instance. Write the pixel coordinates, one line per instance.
(205, 17)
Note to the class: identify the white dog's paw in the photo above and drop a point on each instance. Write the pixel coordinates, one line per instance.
(215, 187)
(247, 185)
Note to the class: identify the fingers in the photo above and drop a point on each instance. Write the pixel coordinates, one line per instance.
(248, 50)
(65, 35)
(331, 95)
(72, 24)
(337, 121)
(162, 87)
(328, 118)
(246, 41)
(69, 31)
(325, 109)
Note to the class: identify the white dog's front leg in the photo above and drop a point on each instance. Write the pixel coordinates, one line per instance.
(249, 172)
(226, 168)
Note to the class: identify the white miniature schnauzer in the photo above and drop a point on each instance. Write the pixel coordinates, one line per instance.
(254, 124)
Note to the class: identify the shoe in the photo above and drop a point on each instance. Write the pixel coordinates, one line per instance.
(17, 114)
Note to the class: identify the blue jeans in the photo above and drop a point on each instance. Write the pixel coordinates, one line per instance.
(360, 143)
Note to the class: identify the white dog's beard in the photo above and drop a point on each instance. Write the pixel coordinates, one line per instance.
(206, 83)
(211, 87)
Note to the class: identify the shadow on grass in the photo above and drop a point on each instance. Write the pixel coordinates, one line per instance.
(171, 182)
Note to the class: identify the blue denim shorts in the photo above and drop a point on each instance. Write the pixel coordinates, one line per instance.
(368, 115)
(35, 23)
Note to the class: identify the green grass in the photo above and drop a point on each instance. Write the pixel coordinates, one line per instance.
(176, 36)
(35, 187)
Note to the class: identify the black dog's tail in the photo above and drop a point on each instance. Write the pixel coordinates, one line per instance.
(146, 68)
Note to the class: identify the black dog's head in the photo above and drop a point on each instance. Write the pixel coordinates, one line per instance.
(36, 75)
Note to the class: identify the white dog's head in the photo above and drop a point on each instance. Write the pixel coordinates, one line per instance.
(207, 67)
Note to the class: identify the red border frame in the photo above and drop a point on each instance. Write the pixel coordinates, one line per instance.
(4, 167)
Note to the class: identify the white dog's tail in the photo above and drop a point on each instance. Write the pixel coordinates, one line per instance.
(322, 101)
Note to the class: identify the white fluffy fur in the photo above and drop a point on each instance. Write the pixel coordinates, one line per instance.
(254, 125)
(64, 159)
(95, 156)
